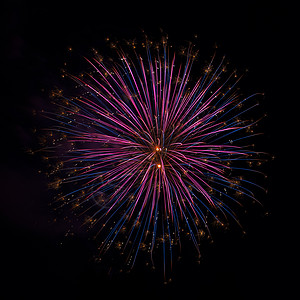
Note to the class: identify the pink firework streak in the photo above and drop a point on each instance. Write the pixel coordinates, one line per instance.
(151, 153)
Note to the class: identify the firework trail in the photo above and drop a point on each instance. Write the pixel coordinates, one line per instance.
(151, 154)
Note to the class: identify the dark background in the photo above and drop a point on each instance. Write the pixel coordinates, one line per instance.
(39, 261)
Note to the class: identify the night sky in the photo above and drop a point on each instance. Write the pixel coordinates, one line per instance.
(38, 260)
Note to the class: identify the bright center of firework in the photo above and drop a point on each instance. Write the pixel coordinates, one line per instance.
(158, 152)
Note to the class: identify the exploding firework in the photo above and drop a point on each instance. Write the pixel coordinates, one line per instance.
(151, 156)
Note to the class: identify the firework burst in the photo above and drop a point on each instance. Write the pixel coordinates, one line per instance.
(150, 155)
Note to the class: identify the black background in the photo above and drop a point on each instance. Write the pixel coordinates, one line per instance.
(39, 261)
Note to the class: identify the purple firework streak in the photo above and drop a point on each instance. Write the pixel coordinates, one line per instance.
(150, 154)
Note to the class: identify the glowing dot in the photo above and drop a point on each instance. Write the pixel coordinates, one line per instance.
(159, 165)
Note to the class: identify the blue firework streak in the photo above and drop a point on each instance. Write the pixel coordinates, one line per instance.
(150, 155)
